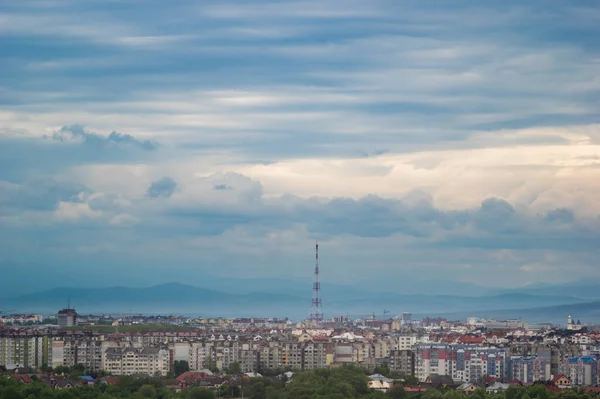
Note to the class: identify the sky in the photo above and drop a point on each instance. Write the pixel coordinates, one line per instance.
(152, 141)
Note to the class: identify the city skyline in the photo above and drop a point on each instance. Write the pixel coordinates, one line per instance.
(142, 143)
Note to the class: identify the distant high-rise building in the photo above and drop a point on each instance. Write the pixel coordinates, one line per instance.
(67, 318)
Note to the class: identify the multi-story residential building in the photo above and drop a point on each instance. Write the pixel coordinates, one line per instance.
(130, 361)
(271, 356)
(432, 359)
(382, 348)
(477, 363)
(292, 355)
(528, 369)
(466, 363)
(201, 356)
(25, 351)
(67, 318)
(83, 349)
(402, 361)
(314, 355)
(554, 353)
(249, 358)
(583, 371)
(406, 341)
(112, 361)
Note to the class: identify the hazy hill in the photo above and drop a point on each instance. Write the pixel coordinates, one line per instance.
(170, 298)
(187, 299)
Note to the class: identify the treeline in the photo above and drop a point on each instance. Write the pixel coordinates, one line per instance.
(338, 383)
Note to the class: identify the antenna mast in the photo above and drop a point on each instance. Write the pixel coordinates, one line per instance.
(316, 316)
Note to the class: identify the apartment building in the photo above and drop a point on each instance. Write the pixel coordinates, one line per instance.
(66, 318)
(402, 361)
(528, 369)
(25, 351)
(314, 355)
(271, 356)
(133, 361)
(466, 363)
(201, 356)
(583, 371)
(407, 341)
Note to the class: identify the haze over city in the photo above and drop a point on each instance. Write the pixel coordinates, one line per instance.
(449, 144)
(300, 199)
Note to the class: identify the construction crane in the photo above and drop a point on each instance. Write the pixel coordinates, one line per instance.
(385, 311)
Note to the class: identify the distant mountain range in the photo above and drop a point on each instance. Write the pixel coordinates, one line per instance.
(279, 298)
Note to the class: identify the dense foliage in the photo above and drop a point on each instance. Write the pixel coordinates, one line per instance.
(338, 383)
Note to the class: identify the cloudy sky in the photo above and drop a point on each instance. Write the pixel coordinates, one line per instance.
(149, 140)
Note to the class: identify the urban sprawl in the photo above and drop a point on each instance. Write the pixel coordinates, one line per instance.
(465, 355)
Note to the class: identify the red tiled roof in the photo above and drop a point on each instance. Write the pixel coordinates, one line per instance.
(22, 377)
(558, 377)
(469, 339)
(192, 376)
(110, 380)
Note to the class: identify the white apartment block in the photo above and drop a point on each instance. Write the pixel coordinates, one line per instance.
(24, 351)
(133, 361)
(466, 363)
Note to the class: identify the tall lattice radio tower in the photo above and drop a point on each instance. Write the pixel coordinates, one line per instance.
(316, 313)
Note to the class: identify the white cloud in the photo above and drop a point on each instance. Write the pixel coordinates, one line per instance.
(72, 212)
(124, 219)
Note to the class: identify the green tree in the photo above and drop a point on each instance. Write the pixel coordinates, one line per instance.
(513, 392)
(383, 370)
(409, 380)
(432, 394)
(200, 393)
(181, 366)
(454, 395)
(397, 393)
(229, 391)
(480, 393)
(538, 392)
(273, 393)
(258, 390)
(375, 395)
(62, 370)
(234, 368)
(147, 391)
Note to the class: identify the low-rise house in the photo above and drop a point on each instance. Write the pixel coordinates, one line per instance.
(497, 387)
(380, 377)
(24, 378)
(191, 377)
(467, 388)
(379, 385)
(439, 381)
(561, 381)
(87, 379)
